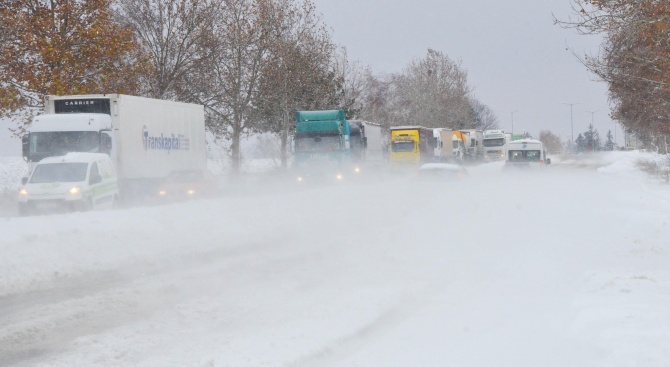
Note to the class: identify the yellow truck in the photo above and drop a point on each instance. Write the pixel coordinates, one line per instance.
(461, 141)
(411, 145)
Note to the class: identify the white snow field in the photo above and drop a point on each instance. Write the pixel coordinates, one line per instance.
(569, 266)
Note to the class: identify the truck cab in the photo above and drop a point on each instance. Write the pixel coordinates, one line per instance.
(412, 145)
(323, 146)
(56, 135)
(495, 145)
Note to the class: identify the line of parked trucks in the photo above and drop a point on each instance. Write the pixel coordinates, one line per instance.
(327, 145)
(142, 141)
(415, 144)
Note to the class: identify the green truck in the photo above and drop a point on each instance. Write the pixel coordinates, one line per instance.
(322, 146)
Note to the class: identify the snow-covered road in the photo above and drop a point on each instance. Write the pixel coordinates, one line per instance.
(564, 268)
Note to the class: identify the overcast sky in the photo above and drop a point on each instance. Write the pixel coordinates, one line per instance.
(516, 58)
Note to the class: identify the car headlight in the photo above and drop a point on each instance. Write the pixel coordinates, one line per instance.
(190, 192)
(357, 169)
(162, 193)
(23, 192)
(74, 191)
(299, 179)
(339, 177)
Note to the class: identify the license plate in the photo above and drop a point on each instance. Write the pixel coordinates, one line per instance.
(46, 205)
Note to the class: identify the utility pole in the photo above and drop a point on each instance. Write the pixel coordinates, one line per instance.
(572, 130)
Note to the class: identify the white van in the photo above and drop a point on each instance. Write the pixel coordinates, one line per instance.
(526, 153)
(75, 181)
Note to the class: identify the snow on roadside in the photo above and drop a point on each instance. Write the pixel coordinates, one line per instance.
(11, 171)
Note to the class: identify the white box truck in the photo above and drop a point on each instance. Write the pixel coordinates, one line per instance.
(495, 143)
(475, 151)
(147, 139)
(444, 149)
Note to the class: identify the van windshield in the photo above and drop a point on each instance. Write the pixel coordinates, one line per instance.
(525, 155)
(59, 172)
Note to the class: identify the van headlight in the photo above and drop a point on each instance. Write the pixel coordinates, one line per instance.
(75, 191)
(23, 193)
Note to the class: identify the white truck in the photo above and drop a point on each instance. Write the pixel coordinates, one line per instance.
(367, 141)
(475, 151)
(495, 144)
(146, 138)
(443, 145)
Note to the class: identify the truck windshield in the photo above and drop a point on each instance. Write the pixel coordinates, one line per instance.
(59, 172)
(54, 143)
(317, 143)
(402, 146)
(494, 142)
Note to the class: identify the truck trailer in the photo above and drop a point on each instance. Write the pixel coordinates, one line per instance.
(147, 139)
(366, 141)
(443, 145)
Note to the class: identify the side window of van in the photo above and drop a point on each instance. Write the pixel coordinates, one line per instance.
(94, 172)
(106, 169)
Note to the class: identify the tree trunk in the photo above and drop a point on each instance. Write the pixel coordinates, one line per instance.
(235, 155)
(284, 147)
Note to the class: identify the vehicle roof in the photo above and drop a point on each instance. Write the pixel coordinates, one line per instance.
(324, 115)
(71, 122)
(414, 127)
(525, 141)
(75, 157)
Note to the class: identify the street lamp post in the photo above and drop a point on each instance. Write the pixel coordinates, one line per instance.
(572, 131)
(513, 122)
(593, 141)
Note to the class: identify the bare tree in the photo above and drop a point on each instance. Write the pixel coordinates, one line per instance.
(551, 141)
(174, 34)
(228, 81)
(433, 92)
(351, 77)
(299, 74)
(485, 118)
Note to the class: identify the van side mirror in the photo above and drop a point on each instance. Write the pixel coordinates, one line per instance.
(24, 180)
(548, 161)
(25, 145)
(106, 144)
